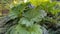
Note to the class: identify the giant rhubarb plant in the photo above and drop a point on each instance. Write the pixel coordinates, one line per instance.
(30, 13)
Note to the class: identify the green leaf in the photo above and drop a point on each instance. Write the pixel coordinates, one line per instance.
(17, 10)
(38, 2)
(35, 14)
(26, 22)
(35, 29)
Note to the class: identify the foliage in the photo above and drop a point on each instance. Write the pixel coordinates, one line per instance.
(33, 16)
(27, 18)
(38, 2)
(35, 29)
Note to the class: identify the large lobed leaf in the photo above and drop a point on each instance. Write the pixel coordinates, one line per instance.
(35, 14)
(35, 29)
(38, 2)
(17, 10)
